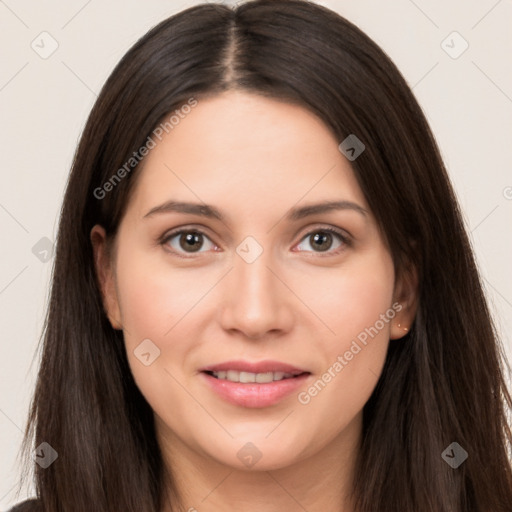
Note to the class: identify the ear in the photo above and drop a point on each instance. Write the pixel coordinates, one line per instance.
(406, 295)
(105, 274)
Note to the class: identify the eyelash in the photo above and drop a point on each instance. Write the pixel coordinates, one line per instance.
(346, 242)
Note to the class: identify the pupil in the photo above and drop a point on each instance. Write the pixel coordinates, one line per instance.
(190, 240)
(322, 237)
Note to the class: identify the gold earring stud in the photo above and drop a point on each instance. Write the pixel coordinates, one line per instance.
(404, 328)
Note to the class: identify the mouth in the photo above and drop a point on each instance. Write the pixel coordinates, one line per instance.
(251, 377)
(254, 385)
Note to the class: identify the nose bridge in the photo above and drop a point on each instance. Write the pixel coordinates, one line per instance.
(254, 280)
(256, 300)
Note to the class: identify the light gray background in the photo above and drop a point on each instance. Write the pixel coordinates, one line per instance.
(44, 104)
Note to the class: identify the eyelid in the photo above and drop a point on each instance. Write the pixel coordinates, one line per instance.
(344, 236)
(342, 233)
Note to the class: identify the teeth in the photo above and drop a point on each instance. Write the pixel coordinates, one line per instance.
(247, 377)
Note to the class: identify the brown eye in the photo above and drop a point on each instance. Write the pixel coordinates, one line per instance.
(324, 239)
(188, 241)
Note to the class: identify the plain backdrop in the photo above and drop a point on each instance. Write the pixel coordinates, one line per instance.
(466, 94)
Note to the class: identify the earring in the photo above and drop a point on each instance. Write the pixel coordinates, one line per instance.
(404, 328)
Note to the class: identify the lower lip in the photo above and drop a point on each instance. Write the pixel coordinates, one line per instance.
(255, 394)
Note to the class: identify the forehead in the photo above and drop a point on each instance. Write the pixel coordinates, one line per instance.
(247, 151)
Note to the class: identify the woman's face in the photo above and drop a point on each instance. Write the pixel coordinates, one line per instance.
(247, 268)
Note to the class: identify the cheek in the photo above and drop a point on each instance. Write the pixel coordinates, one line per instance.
(352, 298)
(155, 299)
(154, 305)
(357, 308)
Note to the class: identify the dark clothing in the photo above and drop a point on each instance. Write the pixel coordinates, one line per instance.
(30, 505)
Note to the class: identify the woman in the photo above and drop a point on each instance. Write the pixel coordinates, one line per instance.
(327, 344)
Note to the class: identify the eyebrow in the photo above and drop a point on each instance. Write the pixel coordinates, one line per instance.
(293, 214)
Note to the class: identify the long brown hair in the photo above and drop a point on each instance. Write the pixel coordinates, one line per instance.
(442, 383)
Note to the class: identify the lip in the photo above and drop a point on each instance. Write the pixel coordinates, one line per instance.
(256, 367)
(255, 395)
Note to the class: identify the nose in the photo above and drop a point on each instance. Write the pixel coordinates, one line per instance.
(256, 301)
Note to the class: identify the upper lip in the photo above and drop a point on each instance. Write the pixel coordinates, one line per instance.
(254, 367)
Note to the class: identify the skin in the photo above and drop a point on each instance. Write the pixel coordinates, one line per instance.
(253, 158)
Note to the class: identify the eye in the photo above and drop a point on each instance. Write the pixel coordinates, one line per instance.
(186, 240)
(321, 240)
(193, 240)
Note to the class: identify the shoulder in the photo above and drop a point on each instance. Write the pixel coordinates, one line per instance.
(30, 505)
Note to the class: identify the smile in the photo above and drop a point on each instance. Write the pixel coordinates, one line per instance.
(246, 391)
(249, 377)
